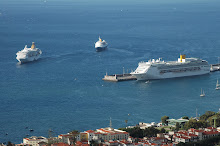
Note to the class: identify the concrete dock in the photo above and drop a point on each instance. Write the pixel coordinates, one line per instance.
(215, 67)
(119, 77)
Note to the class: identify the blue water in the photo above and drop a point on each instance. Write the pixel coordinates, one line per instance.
(63, 90)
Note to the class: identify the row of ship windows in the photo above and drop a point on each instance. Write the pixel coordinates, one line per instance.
(186, 65)
(180, 70)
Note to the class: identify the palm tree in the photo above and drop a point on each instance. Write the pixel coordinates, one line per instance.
(74, 133)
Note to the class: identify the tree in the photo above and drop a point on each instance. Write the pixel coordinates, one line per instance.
(185, 117)
(162, 130)
(211, 120)
(10, 144)
(206, 115)
(193, 123)
(136, 132)
(164, 120)
(177, 126)
(74, 133)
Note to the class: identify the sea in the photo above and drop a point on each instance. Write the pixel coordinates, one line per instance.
(64, 90)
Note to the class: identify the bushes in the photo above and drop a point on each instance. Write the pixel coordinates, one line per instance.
(193, 123)
(136, 132)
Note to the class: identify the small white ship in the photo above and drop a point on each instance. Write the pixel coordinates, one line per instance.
(158, 69)
(101, 45)
(202, 93)
(217, 85)
(28, 54)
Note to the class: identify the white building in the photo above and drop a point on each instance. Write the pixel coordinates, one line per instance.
(111, 134)
(34, 140)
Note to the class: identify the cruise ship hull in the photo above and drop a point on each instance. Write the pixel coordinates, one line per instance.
(101, 45)
(28, 59)
(99, 49)
(158, 69)
(151, 75)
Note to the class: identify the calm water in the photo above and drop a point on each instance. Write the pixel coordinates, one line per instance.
(63, 90)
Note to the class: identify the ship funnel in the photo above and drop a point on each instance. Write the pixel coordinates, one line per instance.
(182, 58)
(33, 45)
(100, 39)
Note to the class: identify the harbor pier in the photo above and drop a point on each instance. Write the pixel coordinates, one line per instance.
(119, 77)
(215, 67)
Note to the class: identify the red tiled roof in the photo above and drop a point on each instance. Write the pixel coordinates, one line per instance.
(199, 130)
(78, 142)
(210, 132)
(60, 144)
(210, 128)
(90, 131)
(183, 137)
(192, 135)
(83, 133)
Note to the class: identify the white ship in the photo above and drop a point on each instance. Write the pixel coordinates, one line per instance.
(202, 93)
(101, 45)
(28, 54)
(217, 85)
(158, 69)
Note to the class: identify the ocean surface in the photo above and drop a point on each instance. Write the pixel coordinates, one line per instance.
(64, 90)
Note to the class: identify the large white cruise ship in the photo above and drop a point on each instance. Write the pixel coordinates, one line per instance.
(28, 54)
(158, 69)
(101, 45)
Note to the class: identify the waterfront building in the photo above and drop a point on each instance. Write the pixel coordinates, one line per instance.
(172, 122)
(102, 134)
(34, 140)
(146, 125)
(112, 134)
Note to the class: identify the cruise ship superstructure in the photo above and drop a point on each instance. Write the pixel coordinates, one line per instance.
(159, 69)
(28, 54)
(101, 45)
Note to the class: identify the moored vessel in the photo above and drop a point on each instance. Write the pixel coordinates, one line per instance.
(217, 85)
(159, 69)
(101, 45)
(28, 54)
(202, 93)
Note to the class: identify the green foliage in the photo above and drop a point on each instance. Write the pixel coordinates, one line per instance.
(162, 130)
(10, 144)
(193, 123)
(185, 117)
(206, 115)
(74, 132)
(211, 121)
(163, 119)
(177, 126)
(94, 143)
(136, 132)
